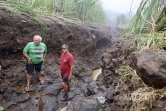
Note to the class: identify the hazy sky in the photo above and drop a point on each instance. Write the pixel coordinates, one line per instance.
(120, 5)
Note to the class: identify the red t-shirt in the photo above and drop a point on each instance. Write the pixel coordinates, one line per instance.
(65, 61)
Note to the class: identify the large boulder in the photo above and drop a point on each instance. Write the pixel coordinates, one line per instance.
(150, 66)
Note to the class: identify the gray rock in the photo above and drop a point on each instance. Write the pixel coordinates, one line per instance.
(35, 104)
(50, 103)
(5, 63)
(53, 89)
(88, 79)
(85, 90)
(92, 88)
(150, 67)
(15, 98)
(90, 105)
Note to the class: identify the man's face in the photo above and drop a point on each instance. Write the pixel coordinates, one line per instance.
(36, 41)
(64, 51)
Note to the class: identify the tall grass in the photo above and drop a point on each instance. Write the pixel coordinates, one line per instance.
(84, 10)
(146, 40)
(146, 15)
(144, 25)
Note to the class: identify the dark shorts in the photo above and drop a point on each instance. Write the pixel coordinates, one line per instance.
(65, 79)
(30, 67)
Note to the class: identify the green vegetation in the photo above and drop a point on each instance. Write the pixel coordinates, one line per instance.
(148, 40)
(14, 6)
(142, 98)
(82, 10)
(125, 71)
(122, 21)
(161, 23)
(147, 28)
(146, 15)
(147, 24)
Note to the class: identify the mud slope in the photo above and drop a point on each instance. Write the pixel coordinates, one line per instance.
(86, 43)
(17, 30)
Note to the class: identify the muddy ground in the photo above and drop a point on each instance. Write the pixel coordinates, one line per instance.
(87, 44)
(93, 46)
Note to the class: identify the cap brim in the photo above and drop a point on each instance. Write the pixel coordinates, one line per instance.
(63, 48)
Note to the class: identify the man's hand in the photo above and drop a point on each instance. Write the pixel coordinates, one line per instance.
(70, 77)
(27, 56)
(29, 61)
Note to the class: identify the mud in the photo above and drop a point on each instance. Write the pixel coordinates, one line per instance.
(93, 46)
(87, 43)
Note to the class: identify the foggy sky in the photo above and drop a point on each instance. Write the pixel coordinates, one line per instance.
(122, 6)
(114, 8)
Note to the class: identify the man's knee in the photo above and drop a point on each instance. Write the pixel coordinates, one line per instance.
(64, 84)
(29, 75)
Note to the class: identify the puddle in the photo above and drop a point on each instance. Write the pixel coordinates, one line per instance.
(96, 73)
(1, 108)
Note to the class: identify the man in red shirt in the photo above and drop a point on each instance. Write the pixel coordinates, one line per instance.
(66, 68)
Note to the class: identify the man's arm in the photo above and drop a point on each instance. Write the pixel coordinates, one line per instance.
(45, 52)
(71, 70)
(27, 56)
(44, 55)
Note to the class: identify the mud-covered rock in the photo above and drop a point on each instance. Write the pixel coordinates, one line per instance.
(35, 104)
(90, 105)
(53, 89)
(50, 103)
(13, 98)
(92, 88)
(5, 63)
(150, 66)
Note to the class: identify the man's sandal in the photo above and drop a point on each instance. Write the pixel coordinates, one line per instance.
(27, 88)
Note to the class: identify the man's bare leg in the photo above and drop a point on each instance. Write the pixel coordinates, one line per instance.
(29, 76)
(65, 87)
(40, 79)
(39, 76)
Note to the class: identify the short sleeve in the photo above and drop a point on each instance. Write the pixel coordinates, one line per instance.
(71, 59)
(26, 49)
(45, 48)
